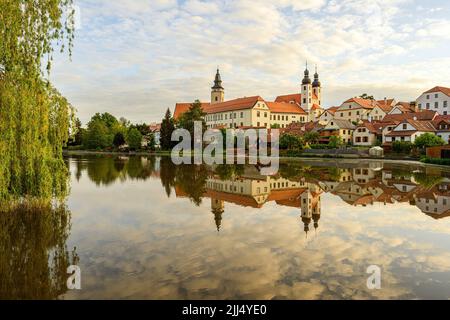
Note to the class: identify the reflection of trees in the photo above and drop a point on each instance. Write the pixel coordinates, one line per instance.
(167, 174)
(192, 180)
(427, 181)
(104, 170)
(228, 171)
(34, 257)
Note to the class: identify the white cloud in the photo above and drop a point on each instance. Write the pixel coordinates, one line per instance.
(136, 58)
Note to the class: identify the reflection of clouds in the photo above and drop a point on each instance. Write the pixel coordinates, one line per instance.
(134, 242)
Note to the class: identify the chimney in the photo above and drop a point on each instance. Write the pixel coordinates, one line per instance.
(413, 106)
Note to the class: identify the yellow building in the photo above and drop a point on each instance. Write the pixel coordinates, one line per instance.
(255, 112)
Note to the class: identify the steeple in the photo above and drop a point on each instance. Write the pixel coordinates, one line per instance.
(306, 79)
(217, 81)
(316, 82)
(218, 92)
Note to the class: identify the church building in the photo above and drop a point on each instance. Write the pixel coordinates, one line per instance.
(256, 112)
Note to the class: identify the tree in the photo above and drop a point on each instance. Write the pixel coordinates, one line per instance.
(335, 142)
(311, 137)
(134, 139)
(34, 117)
(167, 127)
(119, 139)
(402, 146)
(275, 126)
(367, 97)
(151, 142)
(194, 114)
(290, 142)
(78, 139)
(97, 135)
(427, 140)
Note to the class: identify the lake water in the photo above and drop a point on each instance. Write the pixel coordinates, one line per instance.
(143, 228)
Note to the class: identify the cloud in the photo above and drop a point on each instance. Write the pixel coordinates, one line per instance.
(137, 58)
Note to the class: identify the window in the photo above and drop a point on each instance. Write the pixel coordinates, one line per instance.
(405, 126)
(436, 95)
(258, 114)
(242, 115)
(265, 114)
(304, 100)
(445, 104)
(445, 113)
(428, 97)
(265, 125)
(342, 114)
(258, 124)
(436, 104)
(428, 106)
(420, 106)
(365, 139)
(226, 117)
(350, 114)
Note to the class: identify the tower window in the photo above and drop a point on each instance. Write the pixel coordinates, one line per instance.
(217, 98)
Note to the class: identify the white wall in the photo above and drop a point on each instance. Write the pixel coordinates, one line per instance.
(436, 101)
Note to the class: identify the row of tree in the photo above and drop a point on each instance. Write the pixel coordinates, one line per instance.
(106, 132)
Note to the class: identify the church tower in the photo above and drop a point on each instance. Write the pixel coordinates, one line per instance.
(306, 91)
(317, 88)
(218, 208)
(217, 92)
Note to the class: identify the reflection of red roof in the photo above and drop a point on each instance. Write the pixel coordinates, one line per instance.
(283, 107)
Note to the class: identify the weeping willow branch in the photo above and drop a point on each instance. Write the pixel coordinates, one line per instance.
(35, 118)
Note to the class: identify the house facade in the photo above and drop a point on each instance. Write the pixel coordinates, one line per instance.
(409, 130)
(355, 110)
(340, 128)
(436, 99)
(365, 135)
(255, 112)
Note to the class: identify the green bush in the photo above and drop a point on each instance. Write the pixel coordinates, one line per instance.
(402, 146)
(134, 139)
(444, 162)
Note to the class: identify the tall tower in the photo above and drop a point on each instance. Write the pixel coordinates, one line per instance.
(317, 88)
(217, 92)
(218, 208)
(307, 102)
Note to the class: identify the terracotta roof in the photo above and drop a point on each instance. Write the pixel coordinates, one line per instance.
(386, 104)
(423, 115)
(342, 124)
(181, 108)
(283, 107)
(332, 110)
(290, 97)
(444, 90)
(315, 107)
(236, 104)
(369, 126)
(425, 126)
(364, 103)
(154, 127)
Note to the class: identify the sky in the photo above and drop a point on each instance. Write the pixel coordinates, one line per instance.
(136, 58)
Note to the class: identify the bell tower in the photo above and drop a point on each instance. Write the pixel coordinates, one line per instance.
(317, 88)
(217, 91)
(306, 91)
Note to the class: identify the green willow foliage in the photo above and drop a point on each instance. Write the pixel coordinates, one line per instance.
(34, 118)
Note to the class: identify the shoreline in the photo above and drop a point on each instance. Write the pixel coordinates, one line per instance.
(282, 158)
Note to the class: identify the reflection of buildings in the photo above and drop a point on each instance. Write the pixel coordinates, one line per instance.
(250, 190)
(356, 186)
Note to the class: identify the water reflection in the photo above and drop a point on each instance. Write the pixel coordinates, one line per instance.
(34, 256)
(147, 229)
(298, 185)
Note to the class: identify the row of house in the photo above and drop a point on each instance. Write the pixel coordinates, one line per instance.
(360, 121)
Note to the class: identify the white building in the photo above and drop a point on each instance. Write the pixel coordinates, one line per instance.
(436, 99)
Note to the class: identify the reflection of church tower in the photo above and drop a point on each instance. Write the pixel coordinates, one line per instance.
(306, 209)
(316, 218)
(217, 207)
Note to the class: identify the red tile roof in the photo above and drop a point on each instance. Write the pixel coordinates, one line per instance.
(332, 110)
(181, 108)
(423, 115)
(283, 107)
(233, 105)
(444, 90)
(364, 103)
(369, 126)
(290, 97)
